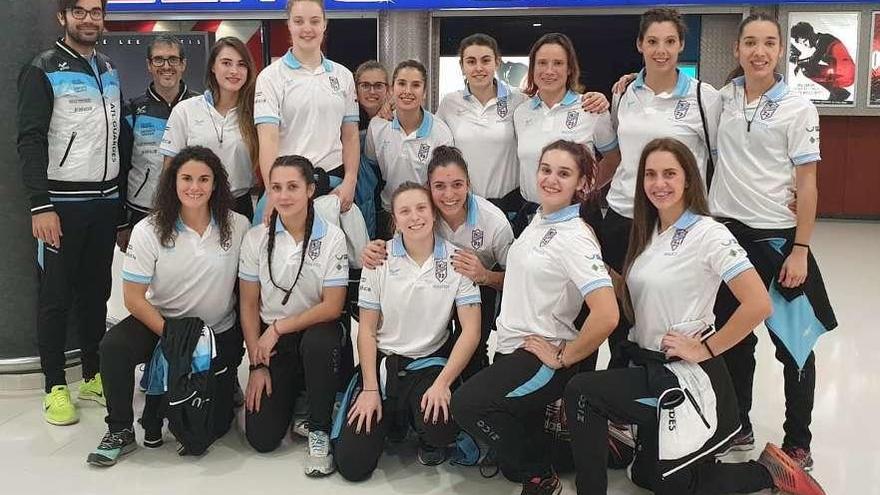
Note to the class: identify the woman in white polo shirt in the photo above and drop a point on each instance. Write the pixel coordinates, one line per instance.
(481, 120)
(408, 362)
(768, 147)
(403, 146)
(553, 113)
(676, 387)
(294, 274)
(479, 230)
(553, 268)
(307, 105)
(221, 119)
(371, 79)
(181, 262)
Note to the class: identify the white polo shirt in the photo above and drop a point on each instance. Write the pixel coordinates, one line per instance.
(486, 138)
(537, 126)
(673, 283)
(195, 277)
(754, 176)
(402, 157)
(309, 108)
(326, 265)
(196, 122)
(551, 267)
(416, 301)
(486, 231)
(643, 116)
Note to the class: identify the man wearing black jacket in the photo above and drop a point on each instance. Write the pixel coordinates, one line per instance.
(69, 113)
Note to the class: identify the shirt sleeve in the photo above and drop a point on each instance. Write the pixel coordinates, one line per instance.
(336, 263)
(352, 110)
(369, 296)
(249, 259)
(468, 292)
(142, 254)
(603, 134)
(267, 100)
(175, 138)
(582, 261)
(723, 254)
(803, 136)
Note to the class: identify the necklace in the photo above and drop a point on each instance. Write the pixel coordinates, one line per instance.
(217, 132)
(755, 113)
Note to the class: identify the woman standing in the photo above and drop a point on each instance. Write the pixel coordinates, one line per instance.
(371, 80)
(221, 119)
(407, 361)
(675, 388)
(768, 147)
(181, 262)
(553, 268)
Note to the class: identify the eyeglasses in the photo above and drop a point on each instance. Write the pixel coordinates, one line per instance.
(376, 87)
(161, 61)
(80, 13)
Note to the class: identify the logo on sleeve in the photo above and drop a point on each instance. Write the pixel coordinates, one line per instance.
(571, 119)
(141, 110)
(477, 239)
(502, 107)
(424, 151)
(681, 109)
(769, 109)
(63, 66)
(547, 237)
(334, 83)
(314, 249)
(440, 270)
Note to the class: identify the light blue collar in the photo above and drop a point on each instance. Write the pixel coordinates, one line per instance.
(294, 63)
(425, 127)
(569, 99)
(399, 250)
(682, 83)
(180, 226)
(319, 227)
(473, 212)
(774, 94)
(686, 220)
(502, 90)
(209, 97)
(562, 215)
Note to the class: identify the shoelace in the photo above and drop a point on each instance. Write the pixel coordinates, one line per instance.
(112, 440)
(318, 444)
(58, 398)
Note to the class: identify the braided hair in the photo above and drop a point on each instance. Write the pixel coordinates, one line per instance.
(308, 172)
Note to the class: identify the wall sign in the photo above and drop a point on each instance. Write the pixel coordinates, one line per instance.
(823, 56)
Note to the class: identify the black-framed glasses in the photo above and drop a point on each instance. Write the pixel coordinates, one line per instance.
(161, 61)
(376, 86)
(80, 13)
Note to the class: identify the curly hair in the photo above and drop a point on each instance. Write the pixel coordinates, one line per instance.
(167, 210)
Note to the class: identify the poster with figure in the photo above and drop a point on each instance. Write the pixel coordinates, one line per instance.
(874, 74)
(822, 54)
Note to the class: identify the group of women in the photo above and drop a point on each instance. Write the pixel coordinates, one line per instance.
(486, 198)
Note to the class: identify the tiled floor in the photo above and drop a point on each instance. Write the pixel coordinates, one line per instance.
(37, 458)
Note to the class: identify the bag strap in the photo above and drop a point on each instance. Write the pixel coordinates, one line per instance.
(710, 163)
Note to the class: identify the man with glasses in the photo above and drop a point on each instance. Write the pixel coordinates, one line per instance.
(68, 127)
(143, 126)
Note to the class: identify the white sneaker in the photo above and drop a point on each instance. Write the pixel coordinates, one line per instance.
(299, 427)
(319, 461)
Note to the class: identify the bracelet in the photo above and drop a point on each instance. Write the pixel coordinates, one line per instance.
(254, 367)
(369, 390)
(800, 244)
(706, 345)
(274, 329)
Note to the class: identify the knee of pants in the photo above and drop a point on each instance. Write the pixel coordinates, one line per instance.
(112, 345)
(352, 465)
(260, 440)
(464, 405)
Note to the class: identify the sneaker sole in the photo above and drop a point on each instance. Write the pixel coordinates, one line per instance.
(317, 473)
(100, 399)
(784, 471)
(66, 422)
(101, 461)
(153, 444)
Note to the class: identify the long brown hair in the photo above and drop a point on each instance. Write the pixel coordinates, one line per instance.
(757, 16)
(167, 209)
(245, 103)
(573, 79)
(645, 214)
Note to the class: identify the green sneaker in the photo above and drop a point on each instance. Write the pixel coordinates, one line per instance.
(57, 407)
(113, 446)
(93, 390)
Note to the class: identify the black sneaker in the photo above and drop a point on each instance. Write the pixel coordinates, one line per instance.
(621, 446)
(549, 485)
(113, 446)
(152, 433)
(741, 442)
(431, 456)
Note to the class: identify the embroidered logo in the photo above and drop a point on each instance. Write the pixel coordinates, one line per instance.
(547, 237)
(226, 245)
(440, 270)
(502, 107)
(477, 239)
(63, 66)
(596, 260)
(678, 238)
(141, 110)
(769, 109)
(314, 249)
(681, 109)
(571, 119)
(334, 83)
(424, 151)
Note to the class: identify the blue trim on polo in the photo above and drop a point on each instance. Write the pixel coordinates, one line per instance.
(473, 211)
(209, 97)
(562, 215)
(502, 89)
(267, 120)
(425, 127)
(439, 247)
(248, 277)
(369, 305)
(569, 99)
(291, 61)
(138, 279)
(540, 379)
(682, 83)
(351, 119)
(336, 282)
(464, 301)
(735, 270)
(397, 247)
(319, 227)
(774, 94)
(613, 145)
(805, 159)
(639, 82)
(594, 285)
(686, 220)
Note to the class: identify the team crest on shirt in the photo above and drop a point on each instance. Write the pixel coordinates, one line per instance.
(334, 83)
(571, 119)
(440, 270)
(678, 238)
(477, 239)
(314, 249)
(547, 237)
(769, 109)
(681, 109)
(424, 151)
(502, 107)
